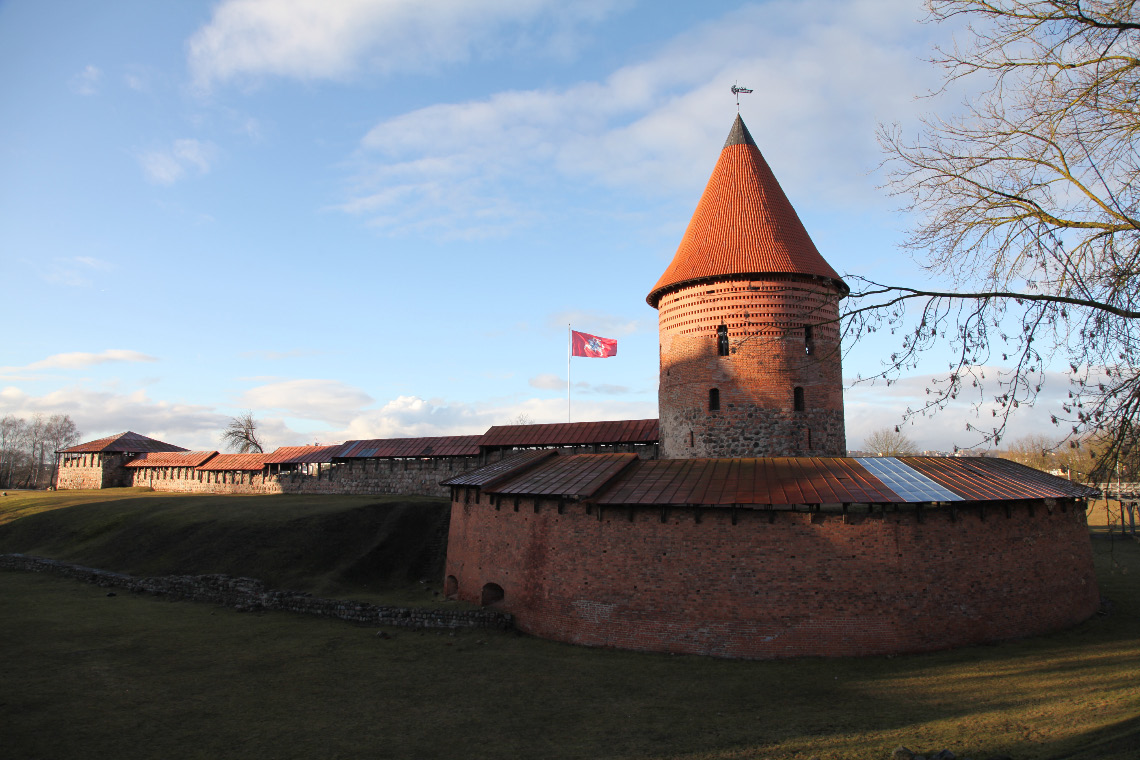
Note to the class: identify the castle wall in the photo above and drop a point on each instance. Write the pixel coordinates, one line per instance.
(94, 470)
(804, 584)
(770, 355)
(367, 476)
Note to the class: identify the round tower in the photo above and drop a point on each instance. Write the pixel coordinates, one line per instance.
(747, 316)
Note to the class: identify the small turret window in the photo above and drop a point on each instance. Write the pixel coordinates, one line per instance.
(714, 399)
(722, 340)
(798, 399)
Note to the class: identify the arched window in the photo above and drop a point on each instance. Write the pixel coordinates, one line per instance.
(798, 399)
(722, 340)
(492, 594)
(450, 587)
(714, 399)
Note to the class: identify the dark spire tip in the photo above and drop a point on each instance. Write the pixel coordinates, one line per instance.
(739, 134)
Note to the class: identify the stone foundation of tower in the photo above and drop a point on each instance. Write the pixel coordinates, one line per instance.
(769, 383)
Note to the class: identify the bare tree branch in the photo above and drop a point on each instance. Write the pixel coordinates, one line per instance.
(1029, 205)
(241, 436)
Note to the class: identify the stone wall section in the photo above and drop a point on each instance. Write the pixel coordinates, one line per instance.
(761, 583)
(251, 594)
(419, 477)
(781, 336)
(94, 470)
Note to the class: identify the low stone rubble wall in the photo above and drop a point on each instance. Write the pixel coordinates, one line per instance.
(251, 594)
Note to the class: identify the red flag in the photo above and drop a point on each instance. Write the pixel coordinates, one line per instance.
(585, 344)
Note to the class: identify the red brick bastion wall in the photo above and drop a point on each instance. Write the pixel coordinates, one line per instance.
(730, 583)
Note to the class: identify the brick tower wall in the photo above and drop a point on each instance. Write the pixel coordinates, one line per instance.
(768, 358)
(715, 582)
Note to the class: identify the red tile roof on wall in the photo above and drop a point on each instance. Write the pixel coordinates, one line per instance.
(128, 442)
(396, 448)
(572, 434)
(302, 454)
(234, 462)
(744, 225)
(172, 459)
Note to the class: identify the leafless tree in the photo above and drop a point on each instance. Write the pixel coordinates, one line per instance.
(241, 436)
(889, 442)
(27, 449)
(1028, 205)
(1036, 450)
(522, 418)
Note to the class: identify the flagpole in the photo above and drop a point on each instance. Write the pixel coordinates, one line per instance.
(569, 351)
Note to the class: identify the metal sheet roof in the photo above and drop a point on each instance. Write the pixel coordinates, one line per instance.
(777, 480)
(302, 454)
(580, 476)
(909, 483)
(507, 467)
(389, 448)
(619, 479)
(572, 433)
(128, 442)
(172, 459)
(993, 479)
(243, 462)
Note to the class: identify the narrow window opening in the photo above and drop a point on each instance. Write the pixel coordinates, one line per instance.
(450, 587)
(714, 399)
(809, 340)
(798, 399)
(722, 340)
(690, 439)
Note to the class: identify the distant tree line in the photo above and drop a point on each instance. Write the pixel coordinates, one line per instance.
(27, 448)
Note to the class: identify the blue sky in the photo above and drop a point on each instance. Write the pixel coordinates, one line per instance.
(375, 218)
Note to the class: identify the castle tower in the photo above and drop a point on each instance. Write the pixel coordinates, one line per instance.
(750, 356)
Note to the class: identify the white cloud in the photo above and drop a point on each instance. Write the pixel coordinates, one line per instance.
(871, 407)
(655, 126)
(102, 413)
(167, 166)
(330, 401)
(80, 359)
(547, 382)
(87, 81)
(315, 39)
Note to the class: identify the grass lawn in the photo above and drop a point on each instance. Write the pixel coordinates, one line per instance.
(91, 675)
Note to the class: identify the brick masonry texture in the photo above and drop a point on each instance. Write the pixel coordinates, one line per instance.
(251, 594)
(769, 358)
(819, 584)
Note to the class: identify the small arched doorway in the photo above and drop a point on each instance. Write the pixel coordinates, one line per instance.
(492, 594)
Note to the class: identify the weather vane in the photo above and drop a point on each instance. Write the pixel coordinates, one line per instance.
(736, 90)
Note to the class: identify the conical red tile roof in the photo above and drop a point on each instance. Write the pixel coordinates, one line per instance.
(744, 225)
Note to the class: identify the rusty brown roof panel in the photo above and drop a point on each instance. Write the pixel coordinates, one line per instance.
(228, 462)
(128, 442)
(580, 475)
(777, 481)
(302, 454)
(993, 479)
(406, 448)
(171, 459)
(507, 467)
(572, 433)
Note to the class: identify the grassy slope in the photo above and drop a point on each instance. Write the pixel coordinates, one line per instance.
(146, 677)
(374, 547)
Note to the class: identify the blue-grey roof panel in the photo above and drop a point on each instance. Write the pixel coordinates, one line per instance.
(910, 484)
